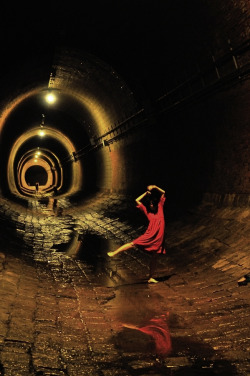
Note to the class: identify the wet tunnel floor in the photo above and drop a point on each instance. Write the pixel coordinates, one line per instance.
(68, 309)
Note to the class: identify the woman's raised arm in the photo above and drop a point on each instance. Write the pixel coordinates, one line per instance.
(138, 199)
(150, 187)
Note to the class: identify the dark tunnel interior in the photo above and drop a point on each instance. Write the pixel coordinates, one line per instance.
(36, 174)
(142, 85)
(134, 92)
(99, 101)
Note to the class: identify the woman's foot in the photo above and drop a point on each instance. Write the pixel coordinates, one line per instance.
(110, 254)
(152, 280)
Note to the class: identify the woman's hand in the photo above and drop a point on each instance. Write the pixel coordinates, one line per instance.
(150, 187)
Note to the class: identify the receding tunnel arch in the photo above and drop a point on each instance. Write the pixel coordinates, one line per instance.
(47, 160)
(36, 174)
(76, 168)
(90, 94)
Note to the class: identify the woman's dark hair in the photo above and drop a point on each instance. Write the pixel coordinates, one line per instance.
(154, 200)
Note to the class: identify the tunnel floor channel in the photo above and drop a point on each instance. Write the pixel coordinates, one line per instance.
(69, 309)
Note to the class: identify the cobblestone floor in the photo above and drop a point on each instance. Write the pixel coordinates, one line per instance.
(67, 309)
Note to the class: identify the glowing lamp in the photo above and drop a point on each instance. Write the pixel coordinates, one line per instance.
(50, 98)
(41, 133)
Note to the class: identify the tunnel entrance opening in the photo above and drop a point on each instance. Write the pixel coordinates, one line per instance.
(36, 174)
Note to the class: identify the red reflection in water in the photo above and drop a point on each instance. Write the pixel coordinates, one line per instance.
(159, 331)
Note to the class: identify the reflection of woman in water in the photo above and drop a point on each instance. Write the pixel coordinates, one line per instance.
(158, 329)
(153, 239)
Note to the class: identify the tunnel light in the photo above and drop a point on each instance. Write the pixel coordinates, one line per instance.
(50, 98)
(41, 133)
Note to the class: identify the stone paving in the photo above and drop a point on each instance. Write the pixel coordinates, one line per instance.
(67, 309)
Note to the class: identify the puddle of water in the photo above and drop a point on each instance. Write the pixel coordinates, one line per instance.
(156, 335)
(146, 331)
(91, 249)
(177, 357)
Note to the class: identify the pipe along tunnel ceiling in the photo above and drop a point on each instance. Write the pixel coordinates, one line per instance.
(46, 129)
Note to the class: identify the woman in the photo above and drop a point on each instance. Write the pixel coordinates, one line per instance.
(154, 237)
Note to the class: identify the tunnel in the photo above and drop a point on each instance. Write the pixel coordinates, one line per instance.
(99, 101)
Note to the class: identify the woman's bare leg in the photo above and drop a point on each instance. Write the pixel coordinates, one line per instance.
(152, 267)
(124, 247)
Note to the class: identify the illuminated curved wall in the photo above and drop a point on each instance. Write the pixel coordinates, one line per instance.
(94, 110)
(76, 167)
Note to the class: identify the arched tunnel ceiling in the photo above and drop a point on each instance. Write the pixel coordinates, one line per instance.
(68, 115)
(135, 37)
(88, 96)
(124, 43)
(99, 59)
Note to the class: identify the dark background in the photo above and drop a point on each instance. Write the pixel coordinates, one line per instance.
(140, 39)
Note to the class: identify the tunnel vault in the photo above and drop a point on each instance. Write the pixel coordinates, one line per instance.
(89, 99)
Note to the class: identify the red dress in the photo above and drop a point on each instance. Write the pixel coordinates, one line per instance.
(154, 236)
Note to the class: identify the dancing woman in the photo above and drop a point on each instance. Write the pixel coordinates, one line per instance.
(154, 237)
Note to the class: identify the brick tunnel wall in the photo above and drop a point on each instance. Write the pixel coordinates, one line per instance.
(231, 169)
(201, 146)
